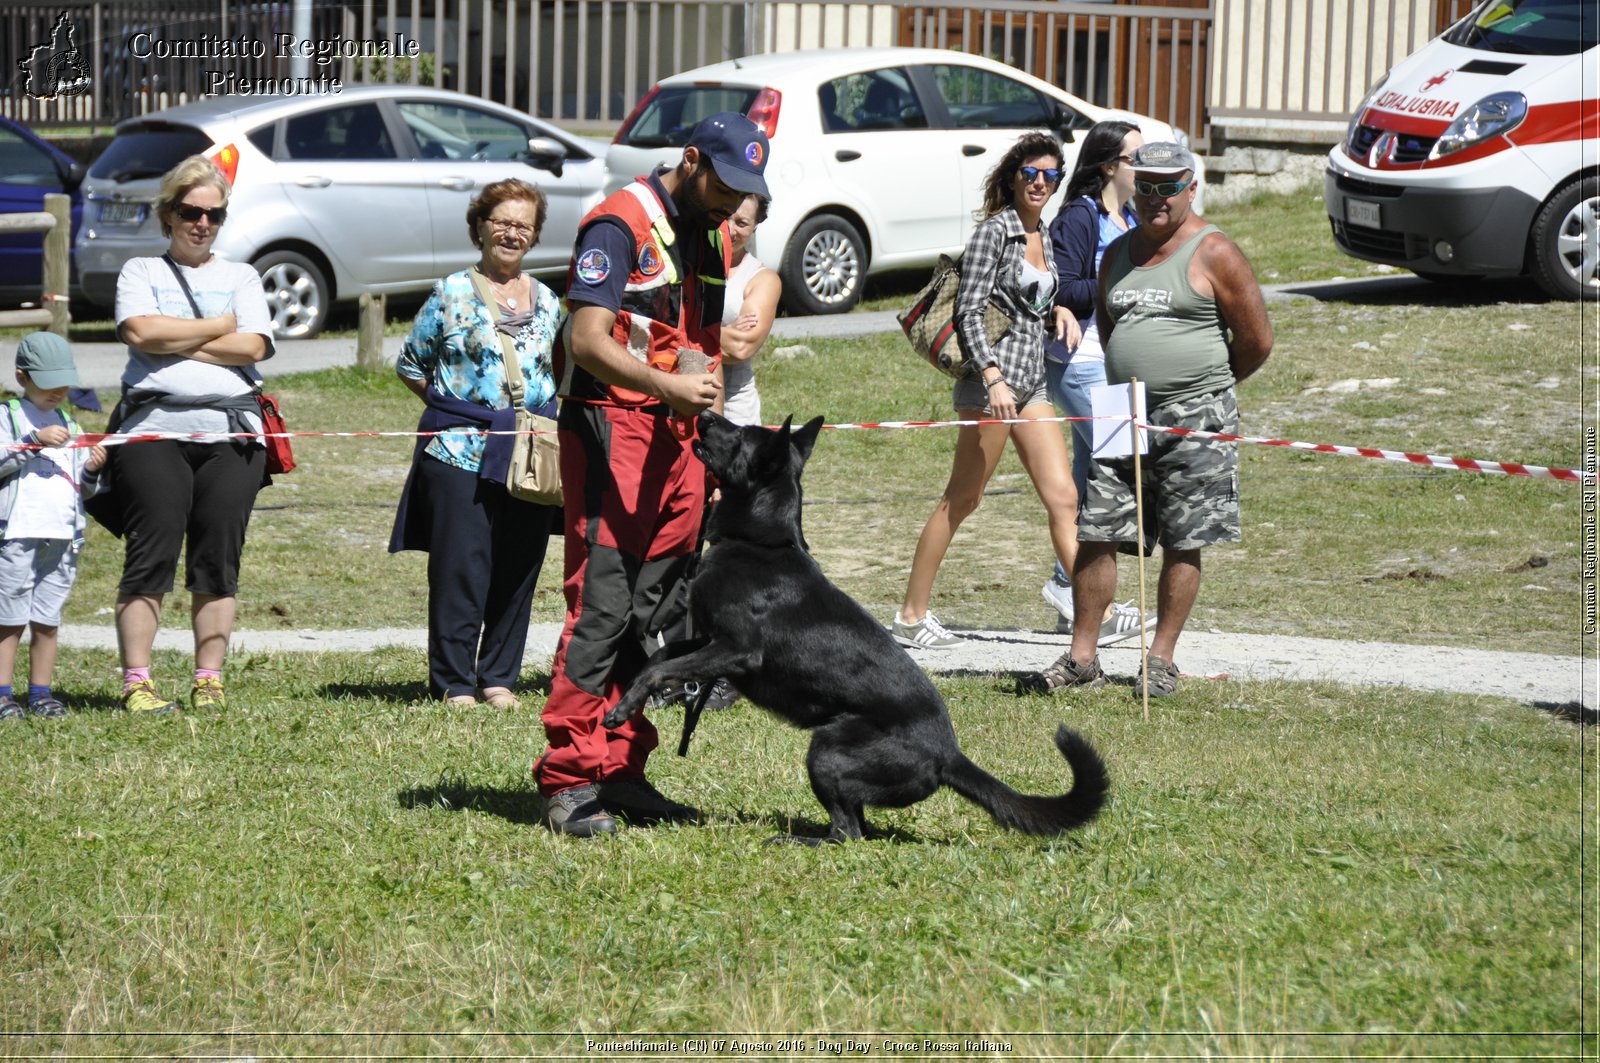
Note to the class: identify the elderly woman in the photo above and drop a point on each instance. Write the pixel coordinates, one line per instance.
(195, 326)
(485, 548)
(1008, 264)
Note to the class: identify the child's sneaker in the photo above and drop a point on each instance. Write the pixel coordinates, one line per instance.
(10, 708)
(48, 708)
(208, 696)
(141, 699)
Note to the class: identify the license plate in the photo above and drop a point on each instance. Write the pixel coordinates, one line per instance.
(1360, 212)
(123, 213)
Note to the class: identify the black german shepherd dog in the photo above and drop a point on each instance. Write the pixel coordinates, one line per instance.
(769, 621)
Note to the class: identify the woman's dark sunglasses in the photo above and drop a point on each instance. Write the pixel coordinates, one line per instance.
(1030, 174)
(216, 215)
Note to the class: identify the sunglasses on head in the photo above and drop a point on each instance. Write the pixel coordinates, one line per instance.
(1052, 176)
(193, 213)
(1160, 188)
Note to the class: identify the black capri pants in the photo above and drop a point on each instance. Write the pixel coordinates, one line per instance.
(171, 490)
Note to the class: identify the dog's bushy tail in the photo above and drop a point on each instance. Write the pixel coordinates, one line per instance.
(1038, 815)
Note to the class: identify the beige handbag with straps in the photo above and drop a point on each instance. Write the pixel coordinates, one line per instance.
(535, 472)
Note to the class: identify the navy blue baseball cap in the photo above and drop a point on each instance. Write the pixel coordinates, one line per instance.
(737, 148)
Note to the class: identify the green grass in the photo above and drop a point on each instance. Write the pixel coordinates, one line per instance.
(1329, 547)
(339, 859)
(340, 867)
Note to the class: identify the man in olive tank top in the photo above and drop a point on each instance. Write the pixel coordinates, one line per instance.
(1179, 309)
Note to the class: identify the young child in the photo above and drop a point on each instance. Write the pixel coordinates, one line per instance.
(41, 517)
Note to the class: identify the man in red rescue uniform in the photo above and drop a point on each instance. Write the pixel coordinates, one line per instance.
(646, 280)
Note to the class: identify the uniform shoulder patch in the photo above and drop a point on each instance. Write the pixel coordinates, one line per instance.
(593, 266)
(649, 260)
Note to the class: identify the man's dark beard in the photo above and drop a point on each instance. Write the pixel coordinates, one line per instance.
(694, 205)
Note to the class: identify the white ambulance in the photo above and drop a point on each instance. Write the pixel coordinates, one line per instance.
(1477, 155)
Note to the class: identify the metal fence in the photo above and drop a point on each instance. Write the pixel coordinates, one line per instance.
(1282, 63)
(586, 62)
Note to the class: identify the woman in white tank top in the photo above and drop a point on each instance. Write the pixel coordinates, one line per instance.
(748, 308)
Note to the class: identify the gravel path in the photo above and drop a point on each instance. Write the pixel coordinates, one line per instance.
(1545, 680)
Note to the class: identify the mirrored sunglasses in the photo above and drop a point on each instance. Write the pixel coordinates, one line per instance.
(1163, 189)
(193, 213)
(1030, 174)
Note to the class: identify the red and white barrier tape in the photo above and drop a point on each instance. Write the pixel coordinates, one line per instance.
(1437, 461)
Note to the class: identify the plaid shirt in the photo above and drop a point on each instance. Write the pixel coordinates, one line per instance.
(991, 272)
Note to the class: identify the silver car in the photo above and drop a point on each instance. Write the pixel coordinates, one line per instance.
(365, 190)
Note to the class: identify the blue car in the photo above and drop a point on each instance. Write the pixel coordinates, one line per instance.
(29, 168)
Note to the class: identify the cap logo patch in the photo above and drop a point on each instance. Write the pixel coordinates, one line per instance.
(593, 266)
(752, 153)
(649, 260)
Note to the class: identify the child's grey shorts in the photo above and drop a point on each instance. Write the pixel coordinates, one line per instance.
(35, 577)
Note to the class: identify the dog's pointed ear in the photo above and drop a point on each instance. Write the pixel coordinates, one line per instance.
(805, 438)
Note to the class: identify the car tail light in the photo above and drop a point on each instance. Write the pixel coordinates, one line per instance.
(764, 112)
(227, 160)
(633, 116)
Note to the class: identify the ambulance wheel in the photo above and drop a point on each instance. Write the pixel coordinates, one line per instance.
(1565, 242)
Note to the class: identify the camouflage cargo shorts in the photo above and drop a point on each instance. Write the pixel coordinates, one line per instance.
(1191, 484)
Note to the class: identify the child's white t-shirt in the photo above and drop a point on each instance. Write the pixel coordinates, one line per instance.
(48, 498)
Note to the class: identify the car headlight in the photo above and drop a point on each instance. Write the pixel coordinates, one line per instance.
(1493, 116)
(1355, 118)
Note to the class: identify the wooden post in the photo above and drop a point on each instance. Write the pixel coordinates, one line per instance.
(57, 262)
(1138, 509)
(369, 335)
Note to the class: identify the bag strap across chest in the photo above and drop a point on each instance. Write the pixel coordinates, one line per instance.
(516, 382)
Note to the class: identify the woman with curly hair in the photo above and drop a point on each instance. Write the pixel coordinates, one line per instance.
(1008, 264)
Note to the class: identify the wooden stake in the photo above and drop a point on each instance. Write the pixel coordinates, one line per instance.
(1138, 507)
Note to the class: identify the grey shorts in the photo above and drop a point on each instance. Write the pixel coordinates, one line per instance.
(1191, 485)
(35, 577)
(970, 394)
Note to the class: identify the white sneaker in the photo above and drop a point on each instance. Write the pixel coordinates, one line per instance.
(1123, 623)
(927, 633)
(1059, 595)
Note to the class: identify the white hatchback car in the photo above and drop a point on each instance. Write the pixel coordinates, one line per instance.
(878, 154)
(365, 190)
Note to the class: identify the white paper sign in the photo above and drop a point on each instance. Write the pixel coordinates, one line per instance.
(1113, 434)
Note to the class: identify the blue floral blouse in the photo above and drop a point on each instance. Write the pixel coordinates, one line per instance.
(453, 344)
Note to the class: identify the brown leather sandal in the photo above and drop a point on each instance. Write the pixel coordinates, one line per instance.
(1064, 673)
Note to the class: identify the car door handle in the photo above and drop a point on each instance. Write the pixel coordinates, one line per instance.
(970, 150)
(847, 156)
(314, 182)
(456, 184)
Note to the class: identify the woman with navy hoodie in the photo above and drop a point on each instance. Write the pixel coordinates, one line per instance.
(1094, 212)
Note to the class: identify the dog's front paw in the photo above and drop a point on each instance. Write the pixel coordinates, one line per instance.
(619, 715)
